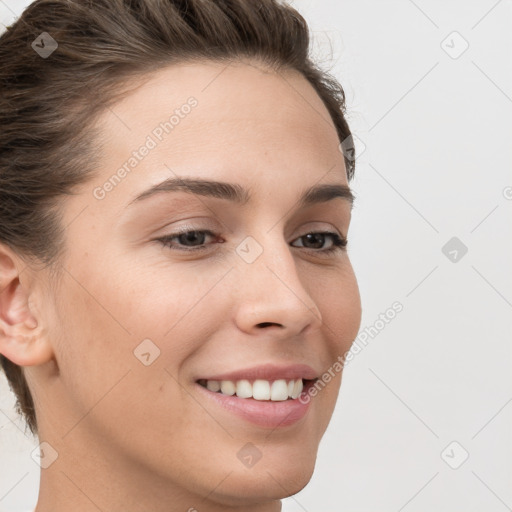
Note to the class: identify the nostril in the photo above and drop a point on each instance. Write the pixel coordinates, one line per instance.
(267, 324)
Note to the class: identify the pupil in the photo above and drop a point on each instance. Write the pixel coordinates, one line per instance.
(192, 236)
(318, 237)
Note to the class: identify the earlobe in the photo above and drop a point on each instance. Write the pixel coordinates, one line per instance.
(22, 339)
(25, 350)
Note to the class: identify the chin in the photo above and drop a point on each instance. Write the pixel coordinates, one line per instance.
(246, 486)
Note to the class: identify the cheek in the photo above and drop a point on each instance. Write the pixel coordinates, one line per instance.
(336, 294)
(106, 325)
(94, 331)
(171, 303)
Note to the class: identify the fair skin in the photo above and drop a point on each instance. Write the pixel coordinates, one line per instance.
(134, 437)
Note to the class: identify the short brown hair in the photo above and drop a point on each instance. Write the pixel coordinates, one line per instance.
(48, 105)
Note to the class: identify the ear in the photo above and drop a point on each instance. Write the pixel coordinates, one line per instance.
(22, 339)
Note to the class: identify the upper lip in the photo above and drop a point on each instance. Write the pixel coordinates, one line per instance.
(269, 371)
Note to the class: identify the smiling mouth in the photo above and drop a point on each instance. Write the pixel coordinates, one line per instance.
(277, 390)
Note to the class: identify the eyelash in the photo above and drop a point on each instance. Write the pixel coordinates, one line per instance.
(339, 243)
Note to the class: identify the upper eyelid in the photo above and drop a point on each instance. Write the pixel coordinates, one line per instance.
(334, 208)
(185, 228)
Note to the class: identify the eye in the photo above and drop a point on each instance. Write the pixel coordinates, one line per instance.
(189, 240)
(316, 240)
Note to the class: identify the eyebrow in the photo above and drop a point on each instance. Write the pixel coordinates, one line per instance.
(237, 194)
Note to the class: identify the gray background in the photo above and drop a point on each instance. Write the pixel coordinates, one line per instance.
(433, 386)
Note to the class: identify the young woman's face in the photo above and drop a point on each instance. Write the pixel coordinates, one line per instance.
(137, 324)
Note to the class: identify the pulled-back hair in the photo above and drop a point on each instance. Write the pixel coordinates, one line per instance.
(48, 103)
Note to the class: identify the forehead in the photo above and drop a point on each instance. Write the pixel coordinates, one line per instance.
(240, 108)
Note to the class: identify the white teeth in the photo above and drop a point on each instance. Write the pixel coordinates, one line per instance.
(297, 388)
(277, 390)
(213, 385)
(243, 389)
(261, 390)
(227, 387)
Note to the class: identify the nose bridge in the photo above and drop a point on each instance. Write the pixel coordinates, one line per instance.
(270, 291)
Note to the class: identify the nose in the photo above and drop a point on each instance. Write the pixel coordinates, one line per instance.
(271, 295)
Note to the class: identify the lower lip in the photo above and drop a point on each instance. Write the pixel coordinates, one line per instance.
(263, 413)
